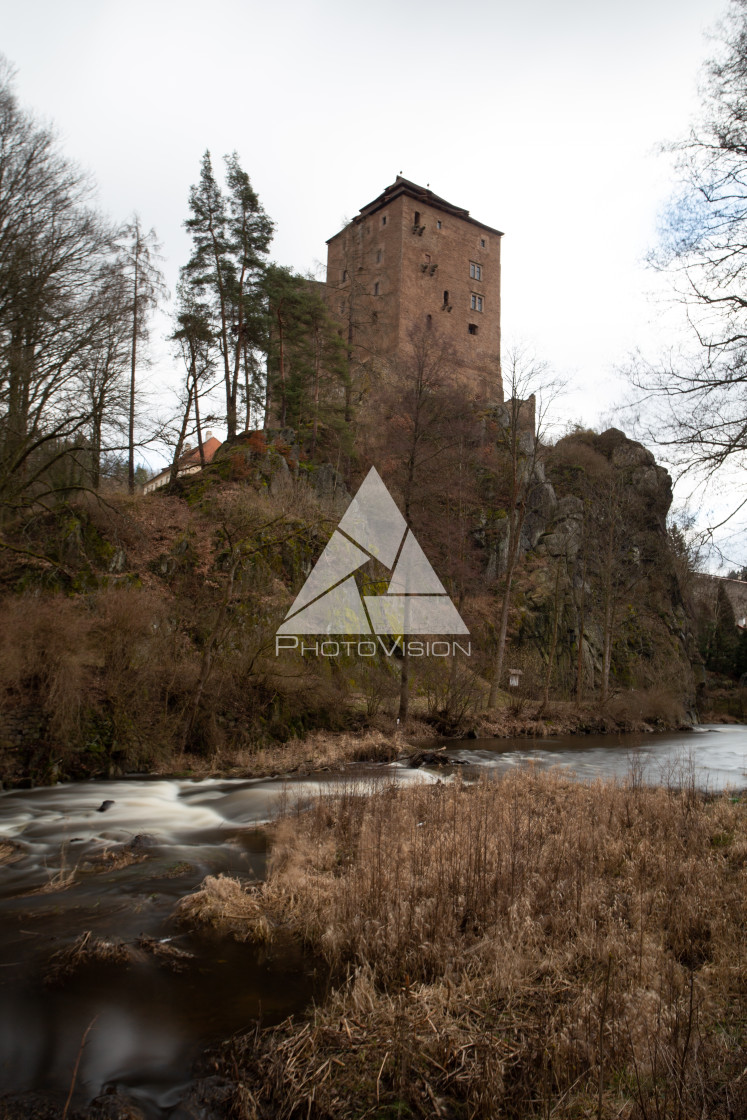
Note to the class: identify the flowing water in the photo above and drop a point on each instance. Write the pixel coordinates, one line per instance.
(150, 1022)
(712, 758)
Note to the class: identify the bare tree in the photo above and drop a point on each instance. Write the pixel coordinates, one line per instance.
(520, 425)
(193, 337)
(139, 253)
(696, 395)
(419, 426)
(104, 378)
(56, 309)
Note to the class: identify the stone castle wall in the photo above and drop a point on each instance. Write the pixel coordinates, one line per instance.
(406, 263)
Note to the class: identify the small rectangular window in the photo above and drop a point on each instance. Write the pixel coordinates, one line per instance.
(376, 288)
(383, 220)
(475, 271)
(472, 328)
(446, 298)
(475, 302)
(378, 257)
(438, 225)
(416, 219)
(482, 242)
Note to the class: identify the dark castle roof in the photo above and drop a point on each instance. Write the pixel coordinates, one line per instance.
(424, 195)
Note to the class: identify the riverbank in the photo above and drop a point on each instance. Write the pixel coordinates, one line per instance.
(378, 740)
(519, 947)
(141, 900)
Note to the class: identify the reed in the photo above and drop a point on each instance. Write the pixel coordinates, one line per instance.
(528, 946)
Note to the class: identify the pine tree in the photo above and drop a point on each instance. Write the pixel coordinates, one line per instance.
(231, 235)
(306, 359)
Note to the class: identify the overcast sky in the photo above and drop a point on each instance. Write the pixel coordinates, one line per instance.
(542, 119)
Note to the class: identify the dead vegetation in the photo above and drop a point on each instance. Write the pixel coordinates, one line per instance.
(225, 905)
(636, 710)
(10, 852)
(523, 947)
(145, 642)
(321, 750)
(115, 857)
(87, 949)
(84, 950)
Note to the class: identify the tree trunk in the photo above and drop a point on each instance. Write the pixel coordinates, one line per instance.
(317, 365)
(133, 363)
(209, 651)
(554, 641)
(250, 371)
(281, 361)
(609, 610)
(198, 425)
(517, 521)
(607, 647)
(404, 685)
(581, 632)
(174, 472)
(349, 380)
(96, 421)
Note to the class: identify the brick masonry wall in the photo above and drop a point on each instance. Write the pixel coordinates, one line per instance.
(386, 273)
(437, 261)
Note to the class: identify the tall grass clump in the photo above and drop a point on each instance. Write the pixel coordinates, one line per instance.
(528, 946)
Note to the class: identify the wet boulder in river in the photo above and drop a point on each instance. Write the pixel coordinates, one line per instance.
(434, 758)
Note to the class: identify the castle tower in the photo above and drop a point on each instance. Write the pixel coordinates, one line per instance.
(411, 258)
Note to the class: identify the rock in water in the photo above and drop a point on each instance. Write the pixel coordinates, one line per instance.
(104, 806)
(434, 758)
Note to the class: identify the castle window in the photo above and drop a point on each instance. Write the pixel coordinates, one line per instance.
(438, 225)
(446, 298)
(429, 321)
(482, 242)
(378, 257)
(475, 302)
(475, 271)
(376, 288)
(383, 220)
(417, 218)
(472, 328)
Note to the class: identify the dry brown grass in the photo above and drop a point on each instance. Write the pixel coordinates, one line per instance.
(636, 710)
(318, 750)
(84, 950)
(115, 857)
(223, 904)
(522, 947)
(10, 852)
(87, 949)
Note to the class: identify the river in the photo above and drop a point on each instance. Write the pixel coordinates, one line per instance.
(150, 1022)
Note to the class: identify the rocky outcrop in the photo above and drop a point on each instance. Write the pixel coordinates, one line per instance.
(553, 520)
(271, 458)
(595, 526)
(563, 535)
